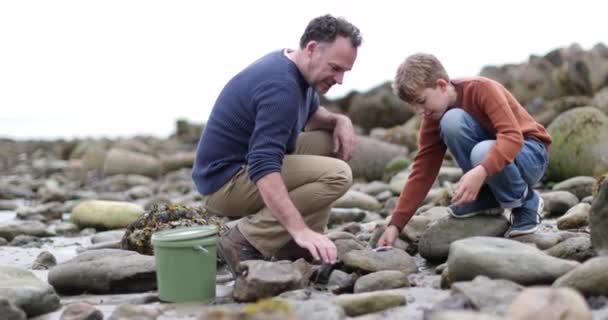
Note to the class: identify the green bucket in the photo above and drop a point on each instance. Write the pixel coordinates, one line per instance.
(186, 263)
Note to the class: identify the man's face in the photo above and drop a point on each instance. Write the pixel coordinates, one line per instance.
(432, 103)
(328, 62)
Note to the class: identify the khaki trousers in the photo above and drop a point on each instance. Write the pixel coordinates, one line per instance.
(313, 179)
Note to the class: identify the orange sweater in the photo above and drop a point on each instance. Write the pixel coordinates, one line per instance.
(497, 111)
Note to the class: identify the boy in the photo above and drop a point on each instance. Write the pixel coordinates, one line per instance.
(501, 149)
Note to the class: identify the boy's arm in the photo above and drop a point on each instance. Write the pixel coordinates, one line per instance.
(425, 169)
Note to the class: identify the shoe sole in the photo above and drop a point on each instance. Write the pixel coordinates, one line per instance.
(488, 212)
(539, 211)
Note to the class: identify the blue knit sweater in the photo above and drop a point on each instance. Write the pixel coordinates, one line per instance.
(255, 121)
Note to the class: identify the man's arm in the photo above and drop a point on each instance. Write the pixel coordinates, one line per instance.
(342, 128)
(275, 196)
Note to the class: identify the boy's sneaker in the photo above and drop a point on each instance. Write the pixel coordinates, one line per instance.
(234, 248)
(484, 204)
(525, 219)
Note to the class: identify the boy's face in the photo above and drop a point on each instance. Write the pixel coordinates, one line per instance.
(431, 103)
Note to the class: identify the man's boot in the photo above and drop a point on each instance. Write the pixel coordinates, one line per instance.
(234, 248)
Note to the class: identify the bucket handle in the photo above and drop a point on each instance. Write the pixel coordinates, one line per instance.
(201, 249)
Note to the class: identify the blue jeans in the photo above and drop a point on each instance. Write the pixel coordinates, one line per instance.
(469, 143)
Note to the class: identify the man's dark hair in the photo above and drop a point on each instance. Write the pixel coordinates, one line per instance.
(326, 28)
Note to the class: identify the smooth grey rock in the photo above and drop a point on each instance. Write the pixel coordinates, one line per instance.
(26, 292)
(45, 260)
(558, 202)
(599, 220)
(577, 248)
(371, 261)
(580, 186)
(81, 311)
(260, 279)
(491, 296)
(343, 215)
(576, 217)
(369, 302)
(542, 240)
(381, 280)
(10, 312)
(460, 315)
(435, 241)
(357, 199)
(129, 311)
(317, 310)
(107, 236)
(346, 245)
(504, 259)
(105, 271)
(32, 228)
(590, 278)
(549, 303)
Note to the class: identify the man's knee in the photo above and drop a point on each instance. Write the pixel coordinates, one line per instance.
(452, 122)
(339, 176)
(480, 150)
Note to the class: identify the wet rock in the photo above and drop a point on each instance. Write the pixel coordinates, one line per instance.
(577, 248)
(357, 199)
(10, 312)
(599, 220)
(590, 278)
(342, 215)
(505, 259)
(369, 302)
(8, 205)
(26, 241)
(260, 279)
(105, 214)
(44, 261)
(25, 291)
(31, 228)
(578, 147)
(580, 186)
(371, 261)
(381, 280)
(545, 303)
(576, 217)
(541, 240)
(105, 271)
(491, 296)
(65, 228)
(435, 241)
(128, 311)
(81, 311)
(106, 236)
(340, 281)
(372, 156)
(558, 202)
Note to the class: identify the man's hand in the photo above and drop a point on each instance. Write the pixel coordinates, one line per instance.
(320, 247)
(469, 185)
(389, 236)
(344, 138)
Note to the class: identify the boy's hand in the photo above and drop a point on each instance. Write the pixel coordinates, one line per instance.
(388, 237)
(469, 185)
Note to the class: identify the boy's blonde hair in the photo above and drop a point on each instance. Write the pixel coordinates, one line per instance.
(418, 72)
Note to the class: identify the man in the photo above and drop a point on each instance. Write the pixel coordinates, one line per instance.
(254, 161)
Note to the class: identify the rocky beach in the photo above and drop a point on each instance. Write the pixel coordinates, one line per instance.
(76, 218)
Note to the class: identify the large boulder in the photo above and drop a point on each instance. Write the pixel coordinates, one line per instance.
(121, 161)
(372, 156)
(579, 145)
(379, 107)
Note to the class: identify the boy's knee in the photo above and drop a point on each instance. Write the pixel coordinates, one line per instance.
(479, 151)
(451, 121)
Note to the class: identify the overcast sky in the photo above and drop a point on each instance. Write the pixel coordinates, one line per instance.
(123, 67)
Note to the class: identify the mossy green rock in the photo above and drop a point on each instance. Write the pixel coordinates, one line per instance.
(579, 147)
(102, 214)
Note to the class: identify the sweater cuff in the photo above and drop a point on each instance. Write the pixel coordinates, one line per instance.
(399, 220)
